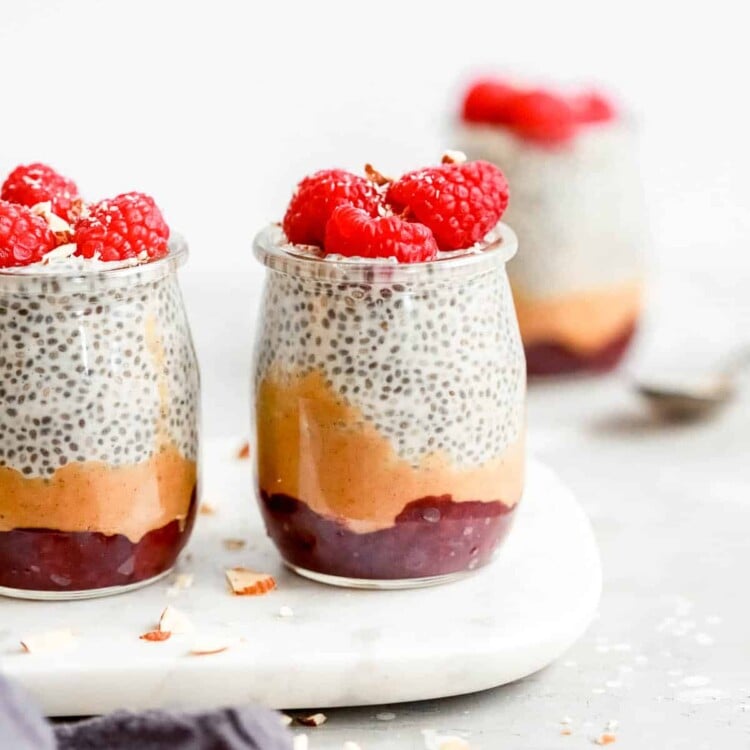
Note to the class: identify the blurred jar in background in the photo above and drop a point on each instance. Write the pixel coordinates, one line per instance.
(577, 208)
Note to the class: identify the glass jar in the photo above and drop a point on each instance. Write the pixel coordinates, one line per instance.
(99, 430)
(389, 413)
(578, 209)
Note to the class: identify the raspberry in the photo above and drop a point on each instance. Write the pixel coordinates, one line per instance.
(352, 231)
(38, 183)
(24, 237)
(592, 107)
(318, 195)
(121, 228)
(542, 116)
(460, 203)
(488, 101)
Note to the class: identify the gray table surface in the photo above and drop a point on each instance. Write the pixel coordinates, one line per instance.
(667, 661)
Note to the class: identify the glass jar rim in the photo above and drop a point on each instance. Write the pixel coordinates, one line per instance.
(272, 248)
(112, 273)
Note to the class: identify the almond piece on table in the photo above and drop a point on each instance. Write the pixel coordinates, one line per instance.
(206, 645)
(156, 635)
(314, 720)
(245, 582)
(234, 544)
(48, 641)
(175, 621)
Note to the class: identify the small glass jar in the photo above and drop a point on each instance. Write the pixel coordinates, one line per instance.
(389, 413)
(99, 429)
(578, 209)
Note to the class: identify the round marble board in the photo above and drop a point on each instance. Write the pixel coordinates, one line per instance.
(339, 647)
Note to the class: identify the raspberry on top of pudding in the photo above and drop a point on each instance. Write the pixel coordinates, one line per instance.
(452, 206)
(578, 212)
(99, 391)
(536, 114)
(389, 377)
(41, 211)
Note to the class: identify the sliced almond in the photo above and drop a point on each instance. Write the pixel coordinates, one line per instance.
(606, 738)
(314, 720)
(453, 157)
(206, 509)
(286, 720)
(207, 645)
(57, 225)
(245, 582)
(244, 451)
(40, 209)
(286, 611)
(234, 544)
(59, 253)
(156, 635)
(175, 621)
(181, 582)
(48, 641)
(454, 743)
(375, 176)
(437, 741)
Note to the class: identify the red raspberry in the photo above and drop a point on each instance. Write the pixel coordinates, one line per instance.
(460, 203)
(592, 107)
(352, 231)
(24, 237)
(542, 116)
(488, 101)
(318, 195)
(121, 228)
(38, 183)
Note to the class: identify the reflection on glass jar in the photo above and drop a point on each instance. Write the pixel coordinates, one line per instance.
(99, 430)
(577, 206)
(389, 408)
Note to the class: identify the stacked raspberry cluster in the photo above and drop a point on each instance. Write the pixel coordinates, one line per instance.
(447, 207)
(533, 113)
(41, 210)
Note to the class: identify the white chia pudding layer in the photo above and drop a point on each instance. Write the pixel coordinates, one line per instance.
(94, 368)
(577, 207)
(435, 362)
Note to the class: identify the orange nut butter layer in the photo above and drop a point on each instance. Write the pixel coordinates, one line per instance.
(317, 448)
(93, 496)
(582, 322)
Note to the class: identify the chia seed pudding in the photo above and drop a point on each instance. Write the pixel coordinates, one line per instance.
(99, 428)
(577, 207)
(389, 411)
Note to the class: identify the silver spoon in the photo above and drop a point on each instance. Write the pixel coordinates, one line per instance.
(691, 396)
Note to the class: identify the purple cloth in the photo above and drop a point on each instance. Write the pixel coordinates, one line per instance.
(23, 727)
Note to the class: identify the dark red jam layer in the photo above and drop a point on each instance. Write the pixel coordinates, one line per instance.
(432, 536)
(554, 359)
(49, 560)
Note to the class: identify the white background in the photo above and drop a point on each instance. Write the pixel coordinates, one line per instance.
(218, 108)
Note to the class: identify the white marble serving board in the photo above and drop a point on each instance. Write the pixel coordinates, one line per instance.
(340, 647)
